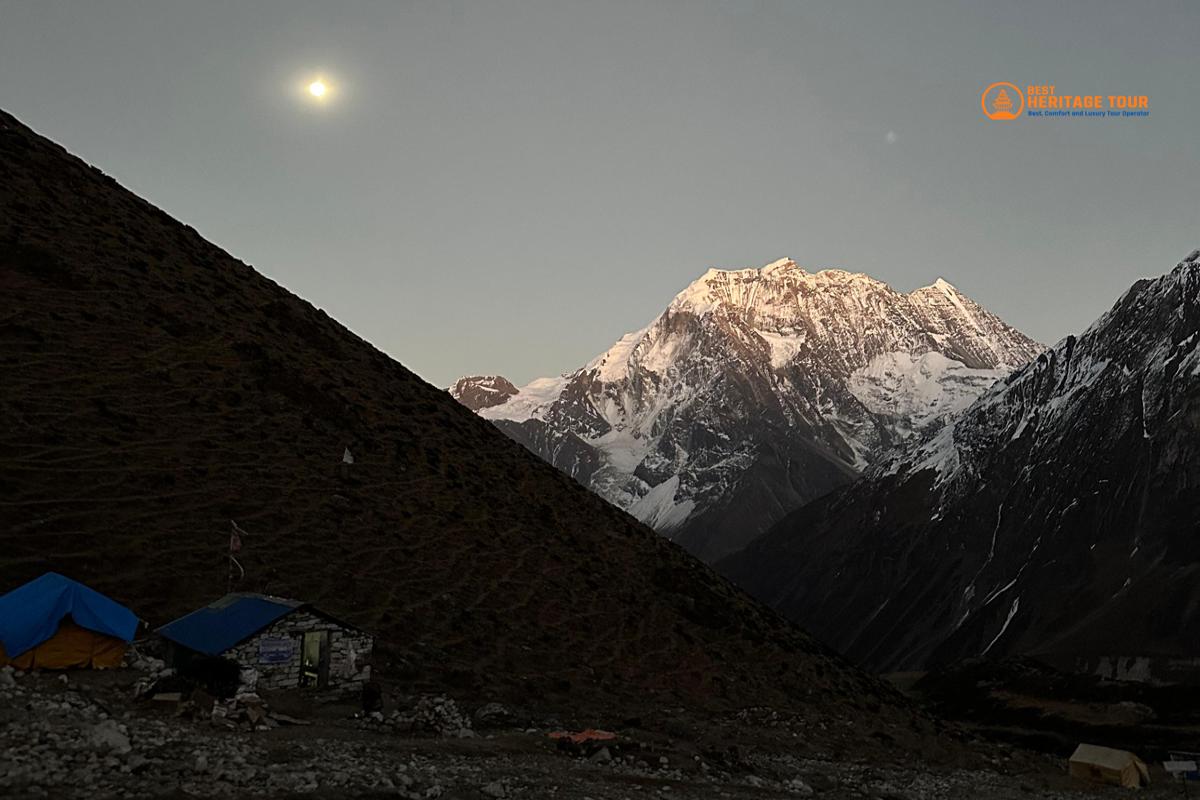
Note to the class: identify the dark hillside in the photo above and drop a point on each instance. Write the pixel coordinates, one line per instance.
(154, 388)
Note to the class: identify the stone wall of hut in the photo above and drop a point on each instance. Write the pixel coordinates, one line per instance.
(349, 652)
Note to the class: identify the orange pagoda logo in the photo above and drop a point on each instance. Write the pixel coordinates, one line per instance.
(998, 103)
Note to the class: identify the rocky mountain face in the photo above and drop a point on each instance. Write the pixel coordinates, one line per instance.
(1058, 515)
(154, 388)
(756, 391)
(482, 391)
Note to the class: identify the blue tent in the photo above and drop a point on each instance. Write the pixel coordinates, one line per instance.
(228, 622)
(31, 614)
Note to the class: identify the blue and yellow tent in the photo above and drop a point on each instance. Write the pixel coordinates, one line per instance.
(54, 622)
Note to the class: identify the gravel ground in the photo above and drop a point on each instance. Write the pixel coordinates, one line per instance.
(64, 738)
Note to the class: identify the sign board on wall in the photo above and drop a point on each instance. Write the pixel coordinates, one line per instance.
(274, 651)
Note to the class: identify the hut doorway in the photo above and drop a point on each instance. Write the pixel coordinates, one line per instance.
(314, 661)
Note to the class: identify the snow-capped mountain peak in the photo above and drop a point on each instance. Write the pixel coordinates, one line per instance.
(779, 265)
(765, 386)
(761, 290)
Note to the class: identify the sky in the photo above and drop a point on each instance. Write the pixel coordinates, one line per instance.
(507, 187)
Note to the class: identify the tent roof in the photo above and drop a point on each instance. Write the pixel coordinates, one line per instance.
(228, 622)
(30, 614)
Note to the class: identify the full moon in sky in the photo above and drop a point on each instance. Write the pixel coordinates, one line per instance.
(317, 88)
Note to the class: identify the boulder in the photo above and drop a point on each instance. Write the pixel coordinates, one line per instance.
(107, 737)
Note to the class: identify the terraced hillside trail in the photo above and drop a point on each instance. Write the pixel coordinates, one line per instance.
(154, 388)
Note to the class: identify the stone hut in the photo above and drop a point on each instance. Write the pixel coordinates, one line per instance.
(275, 643)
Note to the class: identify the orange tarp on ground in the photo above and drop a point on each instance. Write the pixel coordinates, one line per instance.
(589, 735)
(72, 647)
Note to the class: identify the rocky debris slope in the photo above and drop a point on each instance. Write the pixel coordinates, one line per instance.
(65, 743)
(155, 388)
(1058, 515)
(1024, 700)
(756, 391)
(62, 738)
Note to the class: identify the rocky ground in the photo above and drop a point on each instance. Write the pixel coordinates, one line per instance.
(1031, 704)
(86, 735)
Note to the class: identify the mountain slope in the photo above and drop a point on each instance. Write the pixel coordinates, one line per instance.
(1058, 515)
(756, 391)
(155, 388)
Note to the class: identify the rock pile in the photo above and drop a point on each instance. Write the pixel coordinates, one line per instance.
(426, 715)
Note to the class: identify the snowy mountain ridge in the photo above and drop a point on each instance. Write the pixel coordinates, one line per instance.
(1058, 514)
(765, 387)
(1036, 401)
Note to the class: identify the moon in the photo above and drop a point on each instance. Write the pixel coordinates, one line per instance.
(317, 89)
